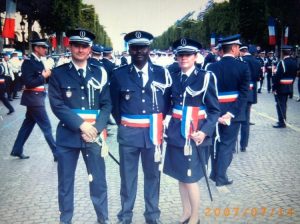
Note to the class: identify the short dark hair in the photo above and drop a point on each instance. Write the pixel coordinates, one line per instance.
(226, 48)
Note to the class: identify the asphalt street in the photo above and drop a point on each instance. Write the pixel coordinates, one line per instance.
(265, 189)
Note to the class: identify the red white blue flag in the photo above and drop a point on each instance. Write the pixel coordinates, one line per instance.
(271, 28)
(9, 23)
(213, 40)
(286, 35)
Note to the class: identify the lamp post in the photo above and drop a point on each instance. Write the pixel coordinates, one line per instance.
(22, 24)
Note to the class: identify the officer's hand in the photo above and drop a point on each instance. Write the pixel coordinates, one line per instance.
(46, 73)
(198, 137)
(86, 138)
(89, 130)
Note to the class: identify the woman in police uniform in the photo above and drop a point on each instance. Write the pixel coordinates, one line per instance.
(195, 111)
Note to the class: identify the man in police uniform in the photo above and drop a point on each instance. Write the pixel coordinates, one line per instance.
(255, 71)
(106, 61)
(263, 61)
(2, 91)
(140, 96)
(79, 97)
(233, 82)
(96, 55)
(271, 63)
(34, 77)
(283, 81)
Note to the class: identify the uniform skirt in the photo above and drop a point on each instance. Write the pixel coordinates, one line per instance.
(176, 164)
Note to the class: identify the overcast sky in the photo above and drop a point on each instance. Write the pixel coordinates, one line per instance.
(154, 16)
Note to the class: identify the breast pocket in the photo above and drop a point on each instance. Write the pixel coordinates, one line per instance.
(127, 94)
(69, 91)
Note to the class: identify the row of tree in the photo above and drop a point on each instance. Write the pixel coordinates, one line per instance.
(58, 16)
(248, 18)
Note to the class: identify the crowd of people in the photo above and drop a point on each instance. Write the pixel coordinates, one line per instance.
(198, 100)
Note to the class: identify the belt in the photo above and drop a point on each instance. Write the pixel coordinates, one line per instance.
(286, 81)
(228, 97)
(37, 89)
(177, 112)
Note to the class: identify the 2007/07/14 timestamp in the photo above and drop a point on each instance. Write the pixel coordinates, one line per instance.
(249, 212)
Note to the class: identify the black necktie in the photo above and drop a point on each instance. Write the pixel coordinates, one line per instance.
(140, 74)
(183, 79)
(80, 71)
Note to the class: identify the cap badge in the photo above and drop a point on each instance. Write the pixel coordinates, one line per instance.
(82, 34)
(138, 35)
(183, 42)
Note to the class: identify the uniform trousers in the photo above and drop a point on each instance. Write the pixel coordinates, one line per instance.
(224, 149)
(5, 100)
(129, 164)
(34, 115)
(269, 81)
(67, 162)
(245, 128)
(281, 105)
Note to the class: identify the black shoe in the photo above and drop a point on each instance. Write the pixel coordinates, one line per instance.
(155, 221)
(10, 112)
(16, 97)
(10, 99)
(279, 126)
(228, 182)
(259, 91)
(243, 149)
(21, 156)
(250, 123)
(185, 221)
(55, 159)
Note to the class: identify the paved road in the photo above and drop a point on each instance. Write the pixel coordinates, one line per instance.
(265, 189)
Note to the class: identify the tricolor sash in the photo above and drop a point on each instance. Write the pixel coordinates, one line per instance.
(37, 89)
(2, 80)
(87, 115)
(177, 112)
(251, 86)
(135, 121)
(228, 97)
(152, 121)
(286, 81)
(189, 114)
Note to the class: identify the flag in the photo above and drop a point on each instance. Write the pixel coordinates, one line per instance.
(53, 41)
(65, 40)
(271, 28)
(213, 40)
(286, 35)
(9, 23)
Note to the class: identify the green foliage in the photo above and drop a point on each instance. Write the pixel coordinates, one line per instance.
(247, 17)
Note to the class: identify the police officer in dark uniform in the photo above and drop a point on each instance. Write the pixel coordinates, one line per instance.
(233, 83)
(263, 61)
(123, 59)
(3, 98)
(211, 57)
(270, 65)
(283, 81)
(255, 71)
(106, 61)
(96, 55)
(79, 97)
(34, 77)
(140, 96)
(194, 100)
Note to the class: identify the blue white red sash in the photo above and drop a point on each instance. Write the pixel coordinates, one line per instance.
(154, 121)
(135, 121)
(286, 81)
(189, 114)
(2, 80)
(251, 86)
(88, 115)
(177, 112)
(91, 117)
(228, 97)
(37, 89)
